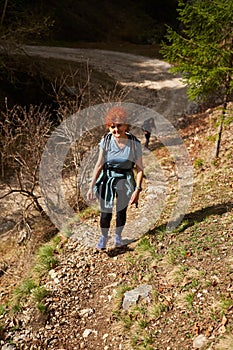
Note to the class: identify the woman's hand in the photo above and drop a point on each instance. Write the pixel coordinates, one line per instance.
(90, 194)
(134, 198)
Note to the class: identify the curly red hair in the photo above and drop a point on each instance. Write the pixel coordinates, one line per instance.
(116, 115)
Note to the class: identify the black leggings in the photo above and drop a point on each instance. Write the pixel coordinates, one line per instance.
(106, 217)
(122, 201)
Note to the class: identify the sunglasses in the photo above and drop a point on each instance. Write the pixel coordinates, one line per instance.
(116, 126)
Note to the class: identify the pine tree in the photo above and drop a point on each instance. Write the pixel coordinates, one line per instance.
(202, 51)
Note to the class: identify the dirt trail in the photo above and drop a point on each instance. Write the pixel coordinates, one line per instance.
(149, 79)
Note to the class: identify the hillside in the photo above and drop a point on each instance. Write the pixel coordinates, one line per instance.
(189, 271)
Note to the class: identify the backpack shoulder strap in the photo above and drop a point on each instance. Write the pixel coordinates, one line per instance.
(107, 139)
(108, 136)
(132, 137)
(134, 146)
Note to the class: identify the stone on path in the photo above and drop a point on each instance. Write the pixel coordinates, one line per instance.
(131, 297)
(200, 341)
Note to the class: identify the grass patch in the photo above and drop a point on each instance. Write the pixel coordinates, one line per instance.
(226, 304)
(89, 213)
(22, 293)
(25, 288)
(39, 293)
(189, 298)
(198, 163)
(121, 289)
(41, 308)
(47, 257)
(30, 290)
(145, 246)
(142, 342)
(3, 309)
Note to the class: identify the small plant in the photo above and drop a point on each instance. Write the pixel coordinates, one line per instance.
(16, 307)
(193, 284)
(142, 342)
(130, 261)
(212, 138)
(184, 224)
(145, 245)
(148, 341)
(158, 309)
(171, 256)
(89, 212)
(214, 162)
(126, 320)
(160, 234)
(189, 299)
(2, 309)
(119, 296)
(138, 313)
(198, 163)
(46, 259)
(25, 288)
(39, 293)
(42, 308)
(179, 252)
(226, 304)
(21, 293)
(142, 324)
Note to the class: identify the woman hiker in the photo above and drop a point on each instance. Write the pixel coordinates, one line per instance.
(113, 179)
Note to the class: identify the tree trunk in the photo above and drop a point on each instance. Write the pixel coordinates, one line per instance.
(226, 97)
(220, 128)
(4, 11)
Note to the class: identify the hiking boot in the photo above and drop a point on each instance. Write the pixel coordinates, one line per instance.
(118, 241)
(102, 243)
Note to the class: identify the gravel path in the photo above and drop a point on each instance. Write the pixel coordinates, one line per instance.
(151, 83)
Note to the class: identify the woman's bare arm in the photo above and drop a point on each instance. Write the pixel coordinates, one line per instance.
(96, 172)
(139, 178)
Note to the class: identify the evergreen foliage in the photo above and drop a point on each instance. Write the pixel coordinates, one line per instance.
(202, 49)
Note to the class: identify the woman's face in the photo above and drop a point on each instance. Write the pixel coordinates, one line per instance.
(118, 129)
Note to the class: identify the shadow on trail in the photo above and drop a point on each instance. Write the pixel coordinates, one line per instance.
(198, 216)
(119, 251)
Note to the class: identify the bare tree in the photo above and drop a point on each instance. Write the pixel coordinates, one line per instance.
(23, 136)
